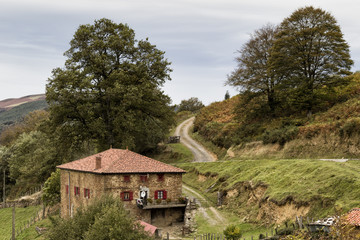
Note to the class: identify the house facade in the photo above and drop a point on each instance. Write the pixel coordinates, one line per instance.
(150, 190)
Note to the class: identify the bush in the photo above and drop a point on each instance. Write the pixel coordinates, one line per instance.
(105, 219)
(280, 135)
(350, 128)
(232, 232)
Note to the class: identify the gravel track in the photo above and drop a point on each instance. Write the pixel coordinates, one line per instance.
(199, 152)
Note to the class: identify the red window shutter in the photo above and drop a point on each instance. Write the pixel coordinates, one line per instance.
(156, 194)
(130, 196)
(122, 196)
(67, 189)
(75, 191)
(88, 193)
(164, 194)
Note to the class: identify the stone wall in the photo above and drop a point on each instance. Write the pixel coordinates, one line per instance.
(115, 184)
(94, 182)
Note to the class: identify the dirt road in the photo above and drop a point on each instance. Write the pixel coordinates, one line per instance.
(202, 203)
(200, 153)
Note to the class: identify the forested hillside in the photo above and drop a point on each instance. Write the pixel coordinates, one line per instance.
(16, 109)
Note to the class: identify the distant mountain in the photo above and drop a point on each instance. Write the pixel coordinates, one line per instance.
(13, 102)
(14, 109)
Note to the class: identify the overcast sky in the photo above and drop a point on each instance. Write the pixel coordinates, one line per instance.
(200, 37)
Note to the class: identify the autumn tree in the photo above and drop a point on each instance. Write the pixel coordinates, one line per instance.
(252, 72)
(109, 90)
(311, 53)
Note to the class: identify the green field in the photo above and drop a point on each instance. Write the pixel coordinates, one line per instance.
(22, 216)
(322, 184)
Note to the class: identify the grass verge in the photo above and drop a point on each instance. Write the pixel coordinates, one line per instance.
(219, 152)
(22, 216)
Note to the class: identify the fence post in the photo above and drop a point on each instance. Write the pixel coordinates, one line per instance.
(167, 236)
(13, 223)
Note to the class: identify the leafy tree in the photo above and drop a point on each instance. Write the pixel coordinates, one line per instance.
(311, 53)
(252, 72)
(192, 104)
(31, 122)
(232, 232)
(31, 159)
(104, 219)
(51, 190)
(109, 90)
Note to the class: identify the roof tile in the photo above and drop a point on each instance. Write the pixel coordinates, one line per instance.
(353, 216)
(120, 161)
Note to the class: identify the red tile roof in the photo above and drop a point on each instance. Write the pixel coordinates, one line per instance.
(120, 161)
(353, 217)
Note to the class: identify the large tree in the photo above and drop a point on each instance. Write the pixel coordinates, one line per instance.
(109, 90)
(311, 52)
(252, 73)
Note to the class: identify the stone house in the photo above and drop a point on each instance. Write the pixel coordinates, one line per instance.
(150, 190)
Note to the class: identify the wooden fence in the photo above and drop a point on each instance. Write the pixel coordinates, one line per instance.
(298, 224)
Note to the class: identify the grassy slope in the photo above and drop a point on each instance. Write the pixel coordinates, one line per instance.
(30, 233)
(22, 216)
(305, 180)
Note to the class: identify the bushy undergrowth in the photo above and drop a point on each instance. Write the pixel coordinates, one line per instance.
(245, 118)
(104, 219)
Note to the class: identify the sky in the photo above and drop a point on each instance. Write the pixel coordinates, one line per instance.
(200, 37)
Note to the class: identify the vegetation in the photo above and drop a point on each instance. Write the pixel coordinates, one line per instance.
(14, 115)
(240, 123)
(191, 105)
(319, 185)
(105, 219)
(252, 72)
(173, 153)
(22, 216)
(109, 91)
(311, 55)
(233, 232)
(51, 190)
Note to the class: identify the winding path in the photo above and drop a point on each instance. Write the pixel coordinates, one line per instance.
(200, 153)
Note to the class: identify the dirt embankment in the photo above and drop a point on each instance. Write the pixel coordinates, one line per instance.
(250, 201)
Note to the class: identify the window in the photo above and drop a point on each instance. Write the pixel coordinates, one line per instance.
(126, 196)
(126, 178)
(160, 194)
(86, 193)
(76, 191)
(160, 177)
(143, 178)
(67, 189)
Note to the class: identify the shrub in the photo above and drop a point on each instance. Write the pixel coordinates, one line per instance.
(105, 219)
(232, 232)
(280, 135)
(350, 128)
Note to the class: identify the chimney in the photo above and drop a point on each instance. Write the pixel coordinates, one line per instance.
(98, 162)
